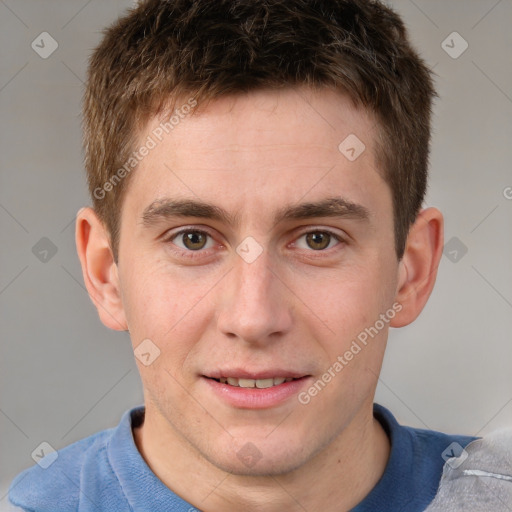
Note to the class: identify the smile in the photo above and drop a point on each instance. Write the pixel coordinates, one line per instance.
(254, 383)
(255, 390)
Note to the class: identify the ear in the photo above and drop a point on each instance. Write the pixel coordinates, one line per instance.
(418, 267)
(99, 269)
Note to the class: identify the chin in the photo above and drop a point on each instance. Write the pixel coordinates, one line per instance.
(265, 467)
(259, 457)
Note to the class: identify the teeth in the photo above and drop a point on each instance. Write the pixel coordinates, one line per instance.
(254, 383)
(247, 383)
(264, 383)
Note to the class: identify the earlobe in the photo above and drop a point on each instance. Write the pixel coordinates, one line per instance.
(99, 269)
(418, 267)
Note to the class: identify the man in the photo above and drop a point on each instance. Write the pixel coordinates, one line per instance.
(257, 171)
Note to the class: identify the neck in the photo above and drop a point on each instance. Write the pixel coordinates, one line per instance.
(337, 478)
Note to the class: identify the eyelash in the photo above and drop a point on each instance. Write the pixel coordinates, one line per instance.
(201, 252)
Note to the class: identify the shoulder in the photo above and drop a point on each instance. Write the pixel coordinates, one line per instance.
(53, 483)
(430, 446)
(63, 479)
(438, 445)
(431, 449)
(415, 465)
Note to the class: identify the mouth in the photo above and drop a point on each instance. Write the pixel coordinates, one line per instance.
(254, 383)
(255, 389)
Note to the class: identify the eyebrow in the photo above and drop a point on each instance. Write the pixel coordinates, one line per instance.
(163, 209)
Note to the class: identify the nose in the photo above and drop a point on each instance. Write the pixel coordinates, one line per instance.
(256, 305)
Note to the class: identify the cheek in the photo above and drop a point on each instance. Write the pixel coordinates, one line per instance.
(344, 300)
(169, 309)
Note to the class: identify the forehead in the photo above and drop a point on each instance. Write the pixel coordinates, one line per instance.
(273, 121)
(262, 149)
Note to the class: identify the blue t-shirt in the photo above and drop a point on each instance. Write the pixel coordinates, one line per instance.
(105, 472)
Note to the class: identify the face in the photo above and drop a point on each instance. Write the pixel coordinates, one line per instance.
(254, 247)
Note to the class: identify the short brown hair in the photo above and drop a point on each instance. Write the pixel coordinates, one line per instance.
(165, 49)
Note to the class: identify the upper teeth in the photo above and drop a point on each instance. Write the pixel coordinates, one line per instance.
(255, 383)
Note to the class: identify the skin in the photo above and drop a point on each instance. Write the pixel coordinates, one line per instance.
(296, 306)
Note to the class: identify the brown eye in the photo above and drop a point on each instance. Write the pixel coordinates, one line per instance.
(318, 240)
(191, 244)
(194, 240)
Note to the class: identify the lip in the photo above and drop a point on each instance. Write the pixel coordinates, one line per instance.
(254, 398)
(239, 373)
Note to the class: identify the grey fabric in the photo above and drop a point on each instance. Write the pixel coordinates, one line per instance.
(479, 479)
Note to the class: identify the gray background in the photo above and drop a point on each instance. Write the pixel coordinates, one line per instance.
(65, 376)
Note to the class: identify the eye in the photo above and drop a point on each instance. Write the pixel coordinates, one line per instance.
(318, 240)
(191, 239)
